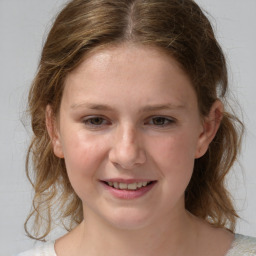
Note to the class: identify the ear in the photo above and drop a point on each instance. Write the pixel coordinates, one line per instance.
(211, 124)
(53, 131)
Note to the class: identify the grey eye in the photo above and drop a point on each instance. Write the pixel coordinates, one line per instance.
(161, 121)
(96, 121)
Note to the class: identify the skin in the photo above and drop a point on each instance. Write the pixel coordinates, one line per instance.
(130, 112)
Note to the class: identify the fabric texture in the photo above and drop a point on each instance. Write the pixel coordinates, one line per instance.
(46, 249)
(242, 246)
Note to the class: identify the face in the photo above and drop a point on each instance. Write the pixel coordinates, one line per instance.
(129, 130)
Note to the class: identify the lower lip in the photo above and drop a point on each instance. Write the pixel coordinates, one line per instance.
(129, 194)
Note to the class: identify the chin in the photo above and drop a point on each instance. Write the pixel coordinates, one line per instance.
(129, 219)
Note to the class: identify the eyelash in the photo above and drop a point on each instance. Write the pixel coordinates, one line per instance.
(165, 121)
(89, 121)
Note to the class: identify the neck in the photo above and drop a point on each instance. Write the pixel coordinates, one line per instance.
(162, 237)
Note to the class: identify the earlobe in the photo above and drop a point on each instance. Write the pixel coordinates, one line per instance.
(51, 125)
(211, 125)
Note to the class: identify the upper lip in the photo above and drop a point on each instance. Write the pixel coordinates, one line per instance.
(127, 181)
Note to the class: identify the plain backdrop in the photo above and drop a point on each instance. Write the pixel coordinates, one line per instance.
(23, 27)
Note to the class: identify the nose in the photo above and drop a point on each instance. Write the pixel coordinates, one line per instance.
(127, 151)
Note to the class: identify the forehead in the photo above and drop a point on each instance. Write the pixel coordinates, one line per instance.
(135, 71)
(106, 57)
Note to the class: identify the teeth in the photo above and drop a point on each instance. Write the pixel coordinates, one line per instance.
(123, 186)
(144, 184)
(131, 186)
(116, 185)
(139, 184)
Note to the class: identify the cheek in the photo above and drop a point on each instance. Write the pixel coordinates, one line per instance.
(175, 151)
(174, 157)
(83, 156)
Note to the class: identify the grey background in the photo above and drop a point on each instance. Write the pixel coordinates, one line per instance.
(23, 27)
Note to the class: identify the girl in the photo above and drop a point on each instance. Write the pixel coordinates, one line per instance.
(132, 140)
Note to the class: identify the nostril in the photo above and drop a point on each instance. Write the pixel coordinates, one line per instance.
(127, 157)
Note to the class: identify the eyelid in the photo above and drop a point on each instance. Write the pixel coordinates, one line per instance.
(170, 120)
(86, 120)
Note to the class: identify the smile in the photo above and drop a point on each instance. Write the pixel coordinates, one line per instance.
(128, 189)
(131, 186)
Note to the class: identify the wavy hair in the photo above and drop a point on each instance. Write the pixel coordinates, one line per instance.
(179, 28)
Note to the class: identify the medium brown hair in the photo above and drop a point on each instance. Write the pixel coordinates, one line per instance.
(178, 27)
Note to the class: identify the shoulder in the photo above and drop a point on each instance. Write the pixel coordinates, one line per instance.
(243, 246)
(46, 249)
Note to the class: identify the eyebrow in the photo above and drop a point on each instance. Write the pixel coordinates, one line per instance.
(92, 106)
(156, 107)
(148, 108)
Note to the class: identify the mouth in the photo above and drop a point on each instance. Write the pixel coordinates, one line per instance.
(128, 189)
(129, 186)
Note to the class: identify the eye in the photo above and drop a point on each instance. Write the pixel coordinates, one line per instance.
(95, 121)
(160, 121)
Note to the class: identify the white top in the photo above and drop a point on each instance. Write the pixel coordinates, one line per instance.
(46, 249)
(242, 246)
